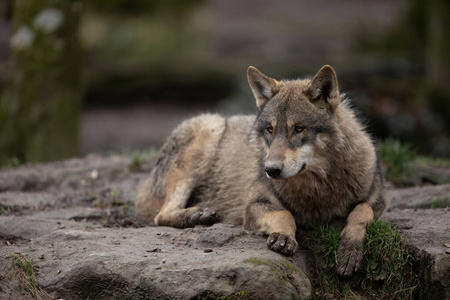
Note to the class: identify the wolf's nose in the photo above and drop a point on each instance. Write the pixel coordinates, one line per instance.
(273, 172)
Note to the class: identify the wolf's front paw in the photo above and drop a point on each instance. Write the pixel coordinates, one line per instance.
(282, 243)
(349, 256)
(201, 216)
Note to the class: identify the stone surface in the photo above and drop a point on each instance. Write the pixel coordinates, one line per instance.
(77, 260)
(75, 219)
(418, 197)
(427, 232)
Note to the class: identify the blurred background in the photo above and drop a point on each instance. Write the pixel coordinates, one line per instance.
(105, 76)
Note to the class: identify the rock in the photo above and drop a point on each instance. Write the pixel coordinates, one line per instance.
(433, 175)
(68, 173)
(28, 228)
(21, 202)
(107, 263)
(427, 231)
(75, 219)
(418, 197)
(73, 213)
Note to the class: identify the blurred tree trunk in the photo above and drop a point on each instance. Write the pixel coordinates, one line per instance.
(438, 59)
(438, 44)
(41, 104)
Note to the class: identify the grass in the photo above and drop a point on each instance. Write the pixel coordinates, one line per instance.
(323, 241)
(22, 269)
(439, 202)
(404, 167)
(139, 157)
(4, 210)
(397, 160)
(388, 264)
(115, 193)
(437, 162)
(26, 265)
(13, 163)
(386, 272)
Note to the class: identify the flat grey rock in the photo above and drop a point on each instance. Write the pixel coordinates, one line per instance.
(427, 232)
(417, 197)
(164, 263)
(28, 228)
(75, 219)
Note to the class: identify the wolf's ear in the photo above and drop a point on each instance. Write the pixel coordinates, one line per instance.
(263, 87)
(323, 91)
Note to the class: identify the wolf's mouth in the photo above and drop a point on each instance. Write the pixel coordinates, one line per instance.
(302, 168)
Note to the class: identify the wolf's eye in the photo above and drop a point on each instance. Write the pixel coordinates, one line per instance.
(269, 128)
(299, 129)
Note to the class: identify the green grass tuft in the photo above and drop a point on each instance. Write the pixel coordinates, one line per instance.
(13, 162)
(4, 210)
(22, 270)
(139, 158)
(388, 265)
(26, 265)
(437, 162)
(397, 160)
(323, 242)
(439, 202)
(386, 272)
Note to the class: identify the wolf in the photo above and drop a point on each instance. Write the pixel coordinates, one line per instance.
(304, 159)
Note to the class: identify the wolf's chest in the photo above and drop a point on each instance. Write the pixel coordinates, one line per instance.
(316, 206)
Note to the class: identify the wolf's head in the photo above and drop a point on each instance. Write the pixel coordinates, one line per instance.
(297, 120)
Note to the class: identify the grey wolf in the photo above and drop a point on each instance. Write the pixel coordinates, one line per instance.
(304, 159)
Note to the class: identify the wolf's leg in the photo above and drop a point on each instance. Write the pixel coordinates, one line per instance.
(351, 244)
(266, 216)
(185, 162)
(174, 212)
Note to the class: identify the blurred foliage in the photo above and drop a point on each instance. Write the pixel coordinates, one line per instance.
(408, 38)
(433, 161)
(404, 167)
(136, 57)
(139, 6)
(397, 159)
(168, 51)
(41, 104)
(412, 99)
(6, 7)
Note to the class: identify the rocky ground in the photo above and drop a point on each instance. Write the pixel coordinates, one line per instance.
(75, 220)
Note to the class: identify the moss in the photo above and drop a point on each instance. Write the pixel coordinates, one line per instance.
(273, 268)
(256, 261)
(240, 295)
(387, 270)
(289, 266)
